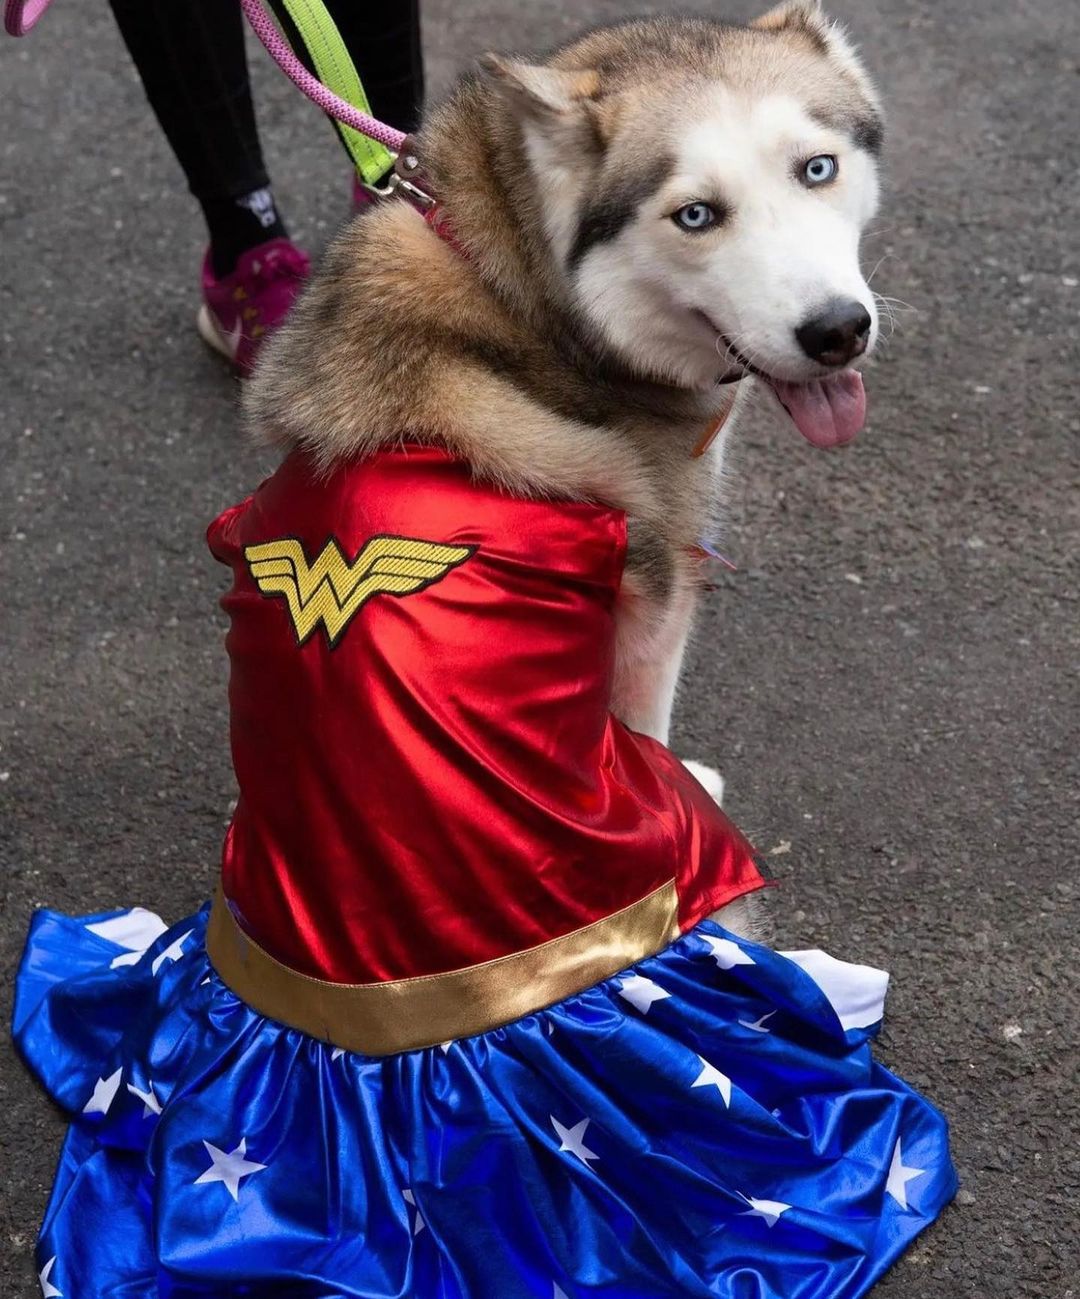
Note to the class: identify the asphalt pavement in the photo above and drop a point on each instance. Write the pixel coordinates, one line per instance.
(889, 681)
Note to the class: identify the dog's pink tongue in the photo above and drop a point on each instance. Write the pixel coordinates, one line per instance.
(828, 411)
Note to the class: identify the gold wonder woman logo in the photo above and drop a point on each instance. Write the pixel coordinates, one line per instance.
(331, 590)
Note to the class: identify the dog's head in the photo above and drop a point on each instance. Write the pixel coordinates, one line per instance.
(703, 189)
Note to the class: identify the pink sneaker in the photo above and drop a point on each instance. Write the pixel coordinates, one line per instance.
(240, 309)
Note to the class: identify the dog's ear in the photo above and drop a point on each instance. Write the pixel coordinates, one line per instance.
(806, 18)
(795, 15)
(544, 94)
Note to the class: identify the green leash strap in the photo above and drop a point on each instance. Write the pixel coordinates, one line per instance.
(336, 70)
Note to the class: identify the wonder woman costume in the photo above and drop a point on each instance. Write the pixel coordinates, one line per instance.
(456, 1025)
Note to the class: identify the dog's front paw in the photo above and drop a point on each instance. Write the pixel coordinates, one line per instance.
(708, 777)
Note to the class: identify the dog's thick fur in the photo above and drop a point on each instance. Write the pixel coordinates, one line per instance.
(552, 355)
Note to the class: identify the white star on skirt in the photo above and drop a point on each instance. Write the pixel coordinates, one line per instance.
(173, 952)
(573, 1139)
(641, 992)
(768, 1210)
(758, 1025)
(48, 1290)
(151, 1104)
(727, 954)
(419, 1224)
(899, 1176)
(104, 1094)
(229, 1168)
(710, 1076)
(135, 931)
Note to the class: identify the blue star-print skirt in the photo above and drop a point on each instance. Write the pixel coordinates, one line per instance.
(710, 1123)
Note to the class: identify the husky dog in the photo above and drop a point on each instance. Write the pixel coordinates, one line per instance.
(657, 212)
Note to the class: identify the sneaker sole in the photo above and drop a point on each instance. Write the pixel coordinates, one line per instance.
(212, 334)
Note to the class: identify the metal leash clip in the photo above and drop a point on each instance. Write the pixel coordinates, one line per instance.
(397, 184)
(406, 175)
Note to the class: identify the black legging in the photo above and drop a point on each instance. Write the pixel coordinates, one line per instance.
(190, 56)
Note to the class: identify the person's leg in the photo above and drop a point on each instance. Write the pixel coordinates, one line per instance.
(190, 57)
(383, 38)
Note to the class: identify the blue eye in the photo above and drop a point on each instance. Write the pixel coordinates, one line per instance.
(695, 217)
(820, 170)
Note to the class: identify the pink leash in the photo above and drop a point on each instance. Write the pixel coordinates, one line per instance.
(21, 15)
(279, 51)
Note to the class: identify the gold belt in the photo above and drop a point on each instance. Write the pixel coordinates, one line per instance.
(407, 1014)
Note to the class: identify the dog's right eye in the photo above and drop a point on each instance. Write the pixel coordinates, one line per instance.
(695, 217)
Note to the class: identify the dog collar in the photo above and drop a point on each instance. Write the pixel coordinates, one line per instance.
(437, 219)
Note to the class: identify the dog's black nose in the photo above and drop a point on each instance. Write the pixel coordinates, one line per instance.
(837, 333)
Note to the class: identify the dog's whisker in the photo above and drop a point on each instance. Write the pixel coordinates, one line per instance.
(885, 307)
(891, 309)
(895, 302)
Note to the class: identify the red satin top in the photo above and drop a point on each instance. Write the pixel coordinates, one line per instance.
(429, 773)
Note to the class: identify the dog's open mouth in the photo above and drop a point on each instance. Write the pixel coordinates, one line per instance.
(827, 412)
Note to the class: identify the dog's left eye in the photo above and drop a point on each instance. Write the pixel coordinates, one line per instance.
(820, 170)
(695, 217)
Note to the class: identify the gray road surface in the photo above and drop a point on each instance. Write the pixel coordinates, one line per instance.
(889, 683)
